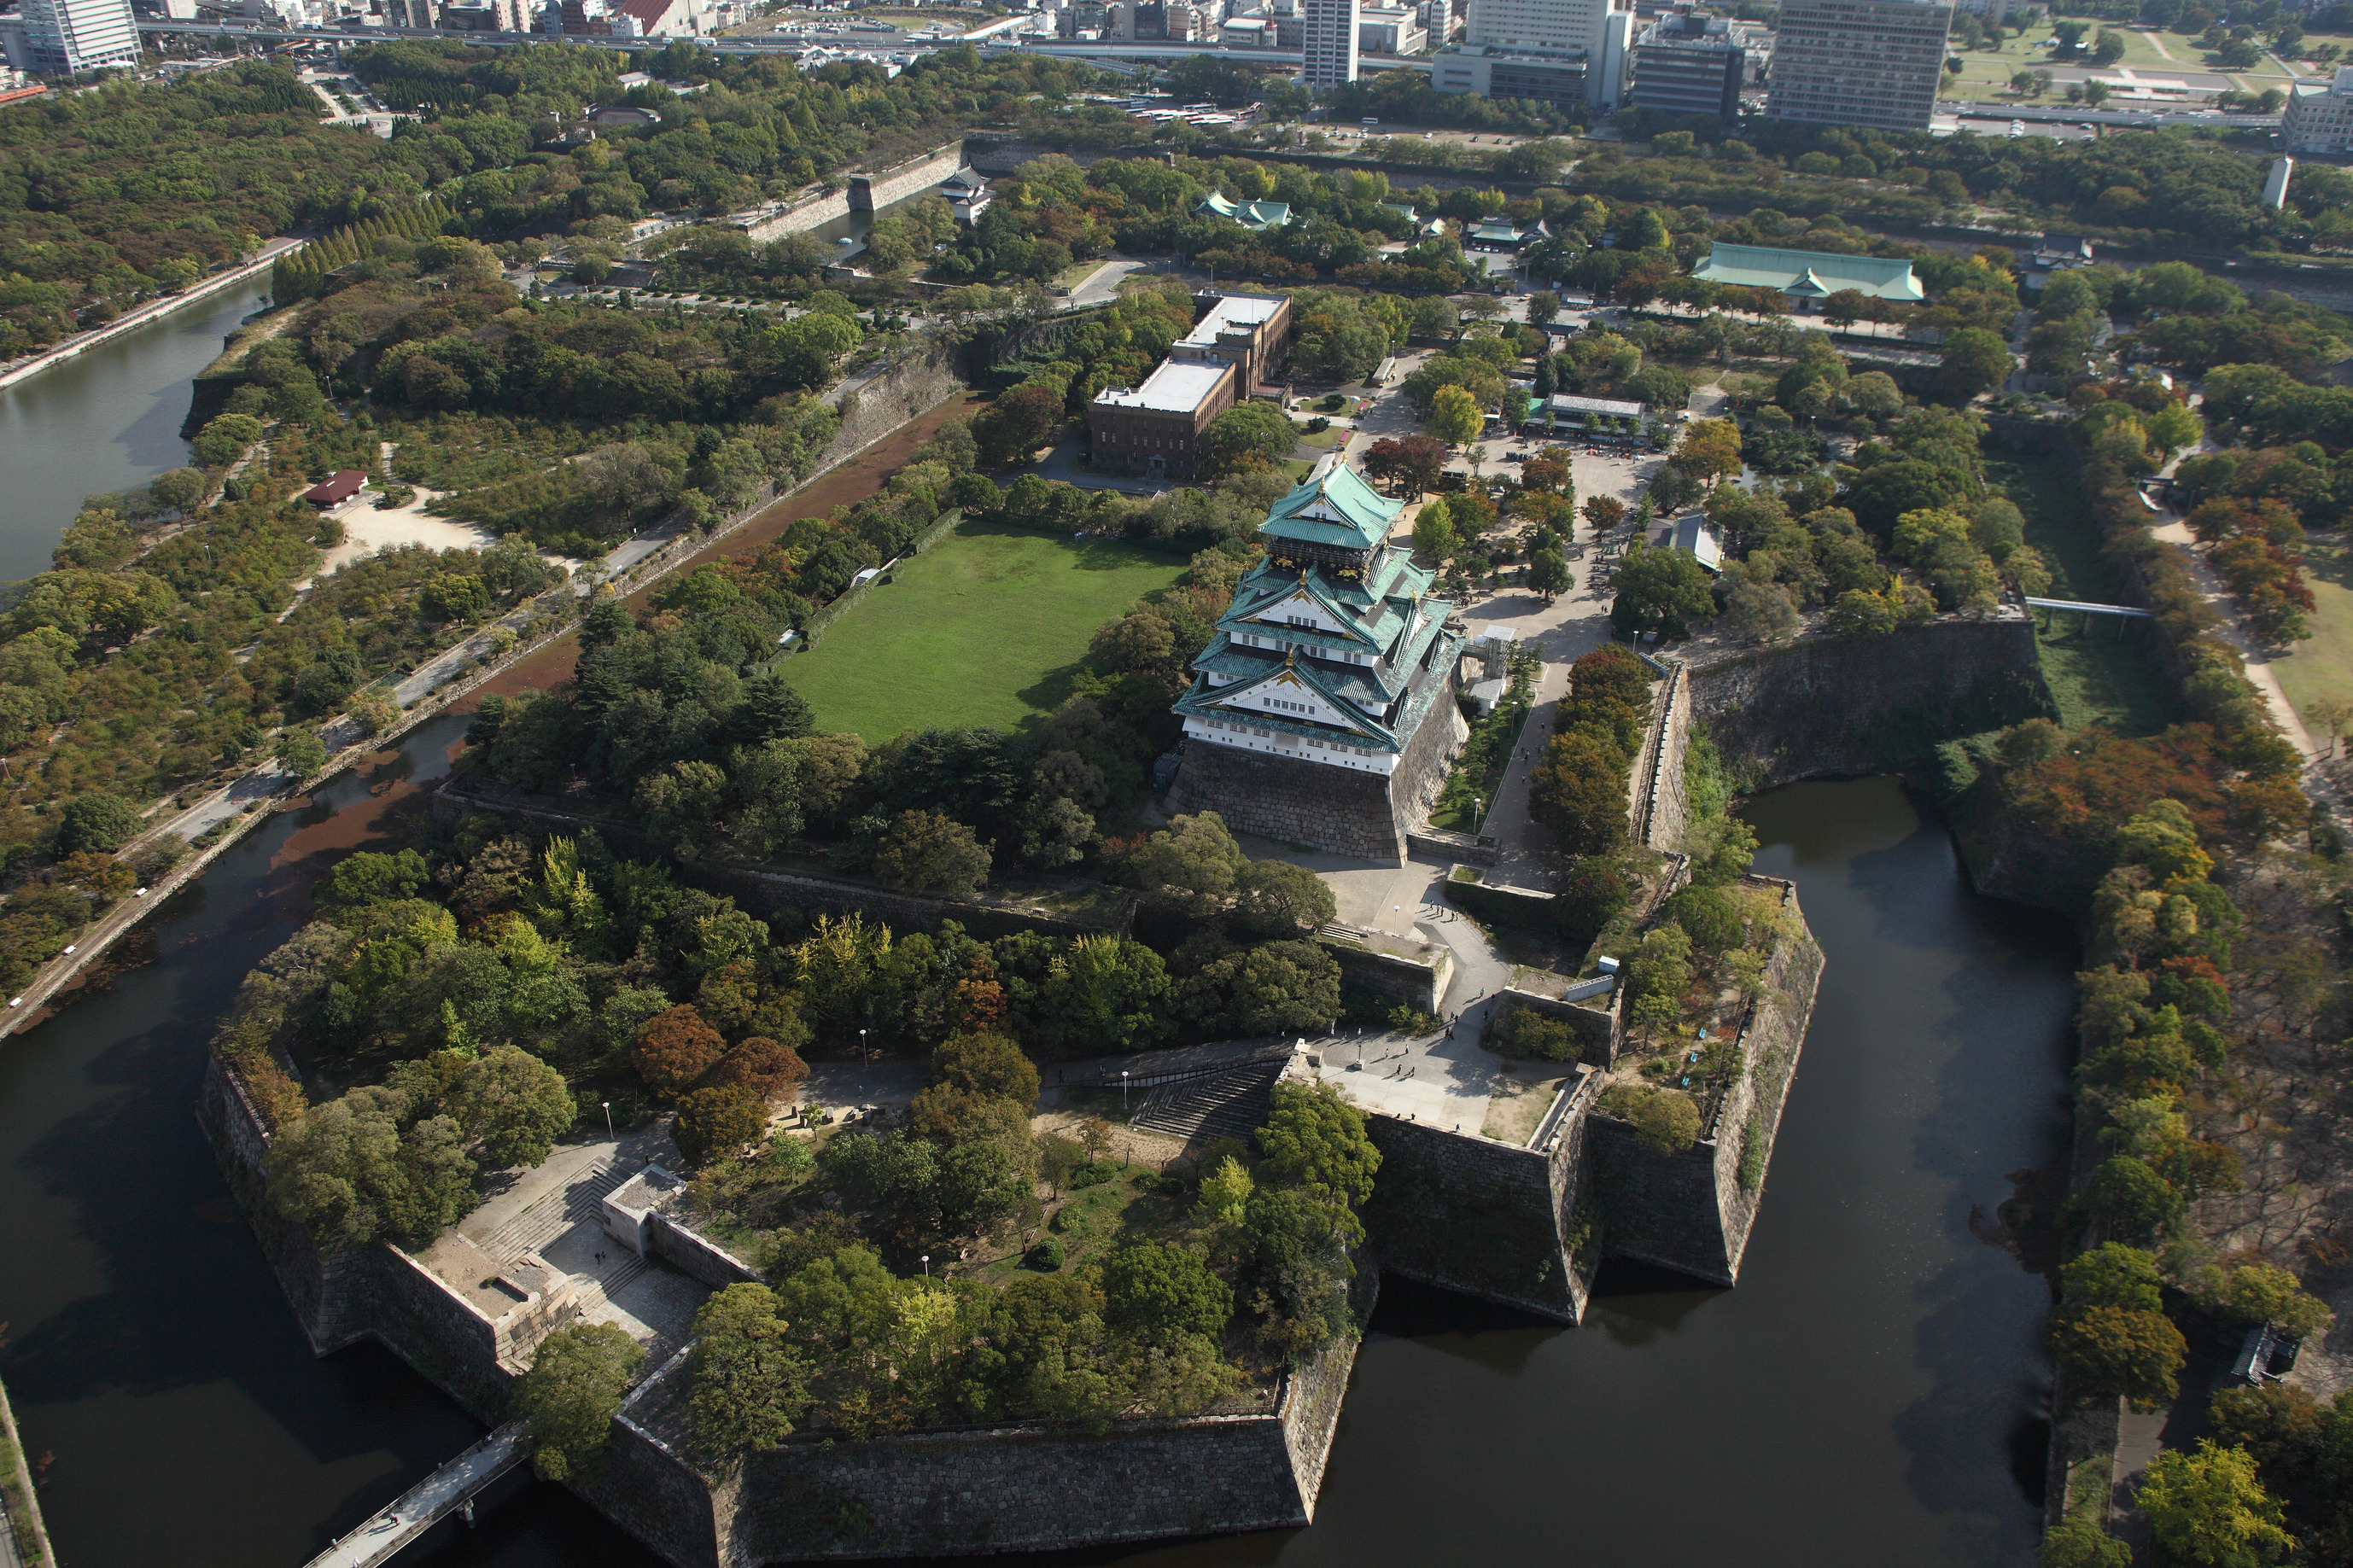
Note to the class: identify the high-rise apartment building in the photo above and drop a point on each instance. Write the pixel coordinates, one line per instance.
(66, 37)
(1550, 51)
(1858, 62)
(1328, 42)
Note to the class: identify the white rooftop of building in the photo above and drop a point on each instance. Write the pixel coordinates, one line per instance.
(1232, 313)
(1176, 387)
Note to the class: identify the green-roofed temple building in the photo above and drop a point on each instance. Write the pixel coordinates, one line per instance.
(1257, 217)
(1811, 275)
(1323, 712)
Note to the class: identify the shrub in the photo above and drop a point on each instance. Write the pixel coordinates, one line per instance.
(1666, 1119)
(1526, 1033)
(1047, 1255)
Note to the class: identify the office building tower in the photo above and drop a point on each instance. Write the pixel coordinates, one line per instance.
(67, 37)
(1547, 25)
(2319, 117)
(1328, 41)
(1689, 63)
(1858, 62)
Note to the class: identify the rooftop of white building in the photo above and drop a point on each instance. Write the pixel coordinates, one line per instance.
(1232, 313)
(1176, 387)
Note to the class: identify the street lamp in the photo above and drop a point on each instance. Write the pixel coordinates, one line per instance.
(1122, 1091)
(862, 1047)
(1477, 809)
(927, 1266)
(609, 1122)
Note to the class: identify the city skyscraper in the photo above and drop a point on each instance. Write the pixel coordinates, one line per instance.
(1330, 42)
(72, 35)
(1858, 62)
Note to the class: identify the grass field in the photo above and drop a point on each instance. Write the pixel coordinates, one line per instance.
(2096, 678)
(986, 628)
(2321, 665)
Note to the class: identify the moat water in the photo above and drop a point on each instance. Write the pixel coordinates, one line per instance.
(1872, 1392)
(107, 419)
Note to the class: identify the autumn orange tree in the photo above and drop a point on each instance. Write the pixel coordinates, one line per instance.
(674, 1048)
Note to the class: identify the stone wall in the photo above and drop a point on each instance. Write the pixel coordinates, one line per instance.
(1469, 1214)
(1500, 901)
(799, 218)
(1688, 1211)
(872, 192)
(1664, 808)
(1599, 1026)
(1289, 801)
(697, 1257)
(1419, 980)
(1829, 706)
(920, 381)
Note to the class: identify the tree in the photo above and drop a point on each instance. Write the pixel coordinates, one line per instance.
(515, 1105)
(985, 1064)
(1761, 612)
(1548, 574)
(1665, 1118)
(1158, 1290)
(1542, 306)
(2207, 1508)
(1226, 1191)
(566, 1402)
(1659, 591)
(2118, 1351)
(1710, 449)
(674, 1048)
(718, 1120)
(1274, 899)
(299, 753)
(768, 1067)
(1975, 360)
(1433, 530)
(749, 1385)
(351, 1174)
(2330, 718)
(1315, 1139)
(1454, 417)
(2112, 1275)
(96, 823)
(1191, 864)
(931, 853)
(1578, 791)
(1248, 436)
(2078, 1543)
(2133, 1200)
(1013, 427)
(1603, 513)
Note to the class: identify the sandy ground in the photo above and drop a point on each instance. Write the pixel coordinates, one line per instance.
(367, 531)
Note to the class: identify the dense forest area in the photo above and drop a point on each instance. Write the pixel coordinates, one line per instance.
(111, 196)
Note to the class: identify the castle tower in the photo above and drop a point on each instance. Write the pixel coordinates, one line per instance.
(1323, 712)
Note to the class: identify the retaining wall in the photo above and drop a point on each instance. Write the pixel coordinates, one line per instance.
(1830, 706)
(1688, 1211)
(1416, 982)
(799, 218)
(1466, 1212)
(872, 192)
(695, 1255)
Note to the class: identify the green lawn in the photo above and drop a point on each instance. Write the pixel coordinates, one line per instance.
(986, 628)
(2321, 665)
(2096, 678)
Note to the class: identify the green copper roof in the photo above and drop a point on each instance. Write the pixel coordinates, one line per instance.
(1338, 509)
(1812, 273)
(1250, 214)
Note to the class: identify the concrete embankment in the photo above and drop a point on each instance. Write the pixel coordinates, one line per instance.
(24, 1539)
(155, 311)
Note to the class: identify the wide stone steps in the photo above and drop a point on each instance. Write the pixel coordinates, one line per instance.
(552, 1215)
(1228, 1105)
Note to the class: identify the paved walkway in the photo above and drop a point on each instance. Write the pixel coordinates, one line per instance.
(429, 1501)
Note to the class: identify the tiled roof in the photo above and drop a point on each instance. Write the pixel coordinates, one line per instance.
(1362, 520)
(1250, 214)
(1816, 274)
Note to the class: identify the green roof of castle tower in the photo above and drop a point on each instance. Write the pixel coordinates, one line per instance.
(1337, 509)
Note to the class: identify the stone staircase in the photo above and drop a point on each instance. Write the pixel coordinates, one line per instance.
(1222, 1105)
